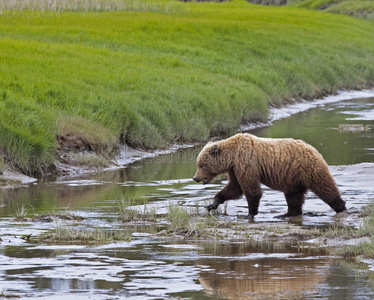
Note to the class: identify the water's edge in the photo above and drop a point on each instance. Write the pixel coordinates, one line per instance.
(128, 155)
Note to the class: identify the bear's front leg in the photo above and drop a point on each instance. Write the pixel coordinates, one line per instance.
(231, 191)
(213, 206)
(222, 196)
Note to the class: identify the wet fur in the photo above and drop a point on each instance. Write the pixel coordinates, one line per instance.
(288, 165)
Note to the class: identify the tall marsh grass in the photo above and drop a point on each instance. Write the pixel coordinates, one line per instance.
(76, 80)
(85, 5)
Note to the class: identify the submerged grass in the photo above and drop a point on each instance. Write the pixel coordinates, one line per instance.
(168, 72)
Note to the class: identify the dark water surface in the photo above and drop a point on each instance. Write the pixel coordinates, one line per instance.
(150, 268)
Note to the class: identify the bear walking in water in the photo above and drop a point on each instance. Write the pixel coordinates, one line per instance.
(288, 165)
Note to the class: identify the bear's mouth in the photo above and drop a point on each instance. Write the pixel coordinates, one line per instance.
(205, 180)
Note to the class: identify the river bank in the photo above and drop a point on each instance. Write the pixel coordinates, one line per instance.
(179, 74)
(69, 167)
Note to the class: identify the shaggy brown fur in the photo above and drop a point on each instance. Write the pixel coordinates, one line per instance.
(288, 165)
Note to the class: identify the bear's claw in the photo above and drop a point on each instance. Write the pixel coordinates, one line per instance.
(212, 206)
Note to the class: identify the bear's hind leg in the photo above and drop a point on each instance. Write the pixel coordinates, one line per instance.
(253, 197)
(295, 201)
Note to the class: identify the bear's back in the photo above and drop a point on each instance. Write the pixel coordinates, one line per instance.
(282, 163)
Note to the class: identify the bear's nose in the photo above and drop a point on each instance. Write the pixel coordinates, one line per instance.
(195, 179)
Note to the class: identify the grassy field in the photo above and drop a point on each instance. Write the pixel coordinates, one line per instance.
(156, 72)
(359, 8)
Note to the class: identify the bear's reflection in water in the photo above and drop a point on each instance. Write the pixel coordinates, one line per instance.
(263, 276)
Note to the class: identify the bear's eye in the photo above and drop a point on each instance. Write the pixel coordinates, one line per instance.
(202, 167)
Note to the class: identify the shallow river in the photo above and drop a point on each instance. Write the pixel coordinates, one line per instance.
(154, 268)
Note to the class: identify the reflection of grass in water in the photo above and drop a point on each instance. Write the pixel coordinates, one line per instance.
(72, 235)
(355, 128)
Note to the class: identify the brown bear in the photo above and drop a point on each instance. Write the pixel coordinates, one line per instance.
(288, 165)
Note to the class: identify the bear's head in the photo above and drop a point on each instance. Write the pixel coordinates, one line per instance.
(211, 162)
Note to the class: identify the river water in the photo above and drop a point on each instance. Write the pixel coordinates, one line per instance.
(156, 268)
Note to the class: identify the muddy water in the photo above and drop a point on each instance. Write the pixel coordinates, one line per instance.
(156, 268)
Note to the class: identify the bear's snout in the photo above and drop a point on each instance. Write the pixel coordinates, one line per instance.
(202, 175)
(195, 179)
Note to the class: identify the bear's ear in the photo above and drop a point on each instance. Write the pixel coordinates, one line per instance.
(214, 151)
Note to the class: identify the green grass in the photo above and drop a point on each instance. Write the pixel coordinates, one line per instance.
(22, 213)
(87, 5)
(159, 72)
(67, 234)
(129, 212)
(2, 165)
(179, 217)
(365, 249)
(359, 8)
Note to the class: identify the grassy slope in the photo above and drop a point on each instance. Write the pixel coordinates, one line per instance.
(358, 8)
(149, 78)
